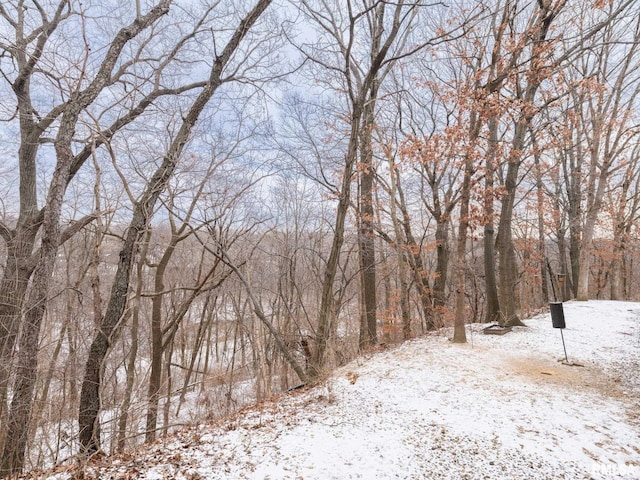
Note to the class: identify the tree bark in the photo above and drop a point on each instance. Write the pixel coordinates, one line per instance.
(368, 330)
(133, 354)
(459, 329)
(544, 284)
(326, 315)
(400, 247)
(491, 288)
(507, 271)
(155, 376)
(22, 402)
(442, 263)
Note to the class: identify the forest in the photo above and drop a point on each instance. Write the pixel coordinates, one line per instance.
(204, 203)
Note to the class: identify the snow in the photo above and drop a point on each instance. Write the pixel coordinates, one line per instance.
(498, 407)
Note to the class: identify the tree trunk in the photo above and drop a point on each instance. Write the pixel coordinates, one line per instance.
(575, 240)
(584, 259)
(155, 377)
(492, 313)
(16, 275)
(20, 263)
(459, 329)
(67, 115)
(89, 426)
(123, 421)
(595, 194)
(442, 264)
(541, 227)
(507, 270)
(544, 277)
(257, 309)
(22, 402)
(326, 315)
(366, 238)
(362, 86)
(206, 318)
(401, 254)
(618, 274)
(133, 354)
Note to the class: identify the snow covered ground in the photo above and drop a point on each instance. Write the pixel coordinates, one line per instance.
(498, 407)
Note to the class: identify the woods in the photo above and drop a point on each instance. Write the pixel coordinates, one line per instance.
(204, 205)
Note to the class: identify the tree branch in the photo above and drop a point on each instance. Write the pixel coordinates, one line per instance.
(5, 232)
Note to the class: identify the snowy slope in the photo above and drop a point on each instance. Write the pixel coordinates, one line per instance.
(499, 407)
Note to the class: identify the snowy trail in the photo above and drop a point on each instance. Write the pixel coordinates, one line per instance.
(499, 407)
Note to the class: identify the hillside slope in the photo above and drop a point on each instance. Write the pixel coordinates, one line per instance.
(499, 407)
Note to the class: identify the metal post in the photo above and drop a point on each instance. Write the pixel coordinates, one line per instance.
(565, 348)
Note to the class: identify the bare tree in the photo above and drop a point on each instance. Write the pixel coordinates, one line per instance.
(90, 394)
(608, 129)
(624, 204)
(164, 326)
(27, 50)
(386, 34)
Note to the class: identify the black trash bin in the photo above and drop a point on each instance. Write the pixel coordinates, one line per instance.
(557, 315)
